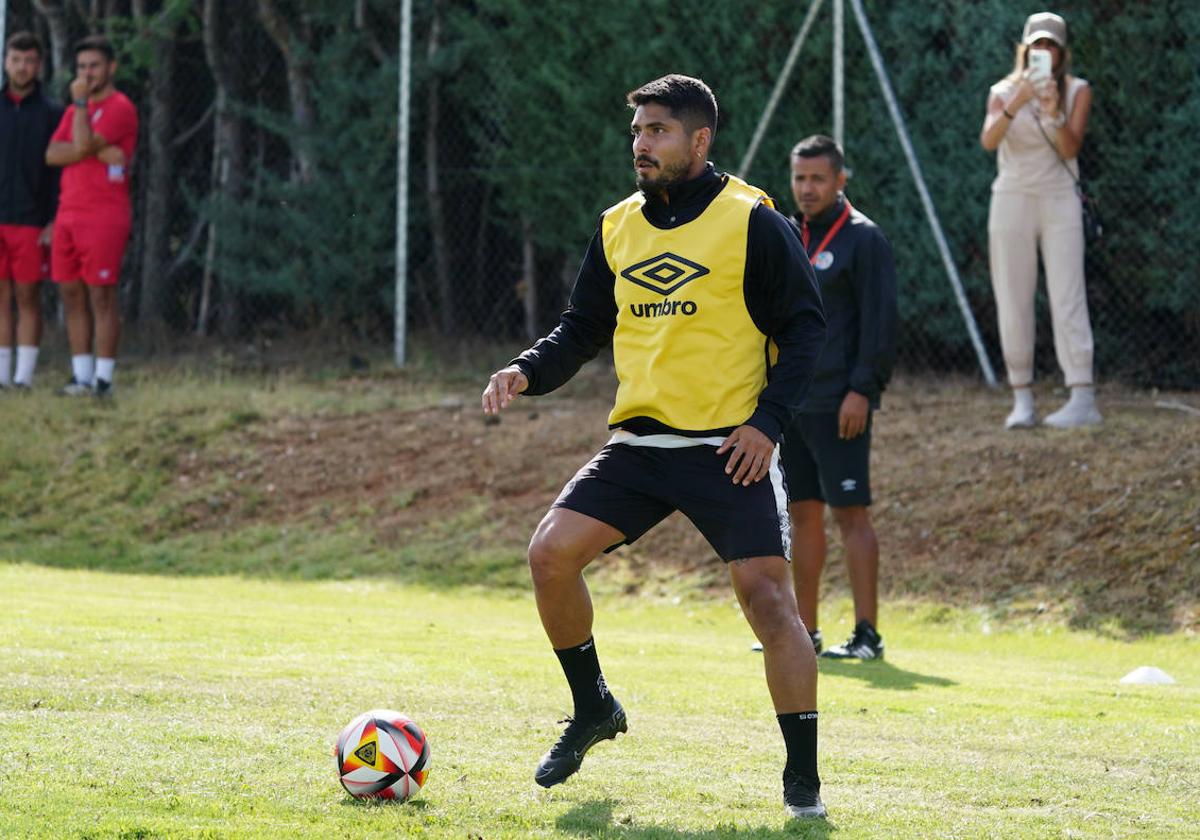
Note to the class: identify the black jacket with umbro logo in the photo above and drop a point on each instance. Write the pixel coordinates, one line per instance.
(858, 287)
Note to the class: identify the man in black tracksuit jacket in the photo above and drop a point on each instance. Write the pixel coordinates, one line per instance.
(826, 450)
(28, 200)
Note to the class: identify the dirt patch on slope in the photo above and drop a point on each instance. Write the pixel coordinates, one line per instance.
(1103, 524)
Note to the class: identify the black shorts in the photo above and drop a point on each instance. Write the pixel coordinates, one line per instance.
(821, 466)
(633, 488)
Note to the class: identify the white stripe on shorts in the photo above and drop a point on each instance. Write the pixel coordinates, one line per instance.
(775, 475)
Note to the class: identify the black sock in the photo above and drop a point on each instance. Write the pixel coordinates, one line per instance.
(800, 737)
(588, 689)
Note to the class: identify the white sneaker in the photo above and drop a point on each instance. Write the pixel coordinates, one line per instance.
(1022, 416)
(75, 388)
(1080, 410)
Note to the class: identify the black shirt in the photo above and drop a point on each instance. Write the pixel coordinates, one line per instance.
(858, 286)
(780, 292)
(28, 187)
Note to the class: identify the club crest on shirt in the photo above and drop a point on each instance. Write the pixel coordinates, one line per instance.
(823, 261)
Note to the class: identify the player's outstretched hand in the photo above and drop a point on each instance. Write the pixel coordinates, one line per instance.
(751, 458)
(503, 388)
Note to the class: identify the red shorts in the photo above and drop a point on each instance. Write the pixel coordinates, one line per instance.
(22, 259)
(87, 250)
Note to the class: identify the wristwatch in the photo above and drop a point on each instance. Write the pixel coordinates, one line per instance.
(80, 103)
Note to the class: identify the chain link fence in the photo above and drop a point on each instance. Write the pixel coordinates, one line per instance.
(264, 184)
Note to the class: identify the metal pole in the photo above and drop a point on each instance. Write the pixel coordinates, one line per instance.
(839, 73)
(402, 179)
(931, 214)
(780, 84)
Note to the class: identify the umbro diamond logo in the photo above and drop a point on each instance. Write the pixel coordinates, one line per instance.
(664, 273)
(849, 484)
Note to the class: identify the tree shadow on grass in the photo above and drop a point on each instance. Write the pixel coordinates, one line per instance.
(595, 819)
(881, 674)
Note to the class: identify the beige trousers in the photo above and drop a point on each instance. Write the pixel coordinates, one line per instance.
(1018, 223)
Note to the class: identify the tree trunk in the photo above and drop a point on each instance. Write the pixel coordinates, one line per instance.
(155, 282)
(54, 12)
(287, 38)
(228, 167)
(433, 186)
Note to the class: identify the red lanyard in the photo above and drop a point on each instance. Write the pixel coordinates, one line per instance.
(841, 220)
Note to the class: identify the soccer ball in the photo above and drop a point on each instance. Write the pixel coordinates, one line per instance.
(382, 754)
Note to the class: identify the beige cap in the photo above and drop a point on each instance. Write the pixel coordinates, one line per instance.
(1045, 25)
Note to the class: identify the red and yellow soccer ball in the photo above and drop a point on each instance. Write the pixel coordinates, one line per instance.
(382, 754)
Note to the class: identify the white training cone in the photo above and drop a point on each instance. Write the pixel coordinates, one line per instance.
(1148, 675)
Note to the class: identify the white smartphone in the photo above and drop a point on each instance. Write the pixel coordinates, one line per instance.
(1040, 63)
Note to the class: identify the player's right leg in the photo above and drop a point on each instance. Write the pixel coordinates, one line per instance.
(78, 317)
(606, 504)
(564, 543)
(808, 560)
(806, 512)
(7, 332)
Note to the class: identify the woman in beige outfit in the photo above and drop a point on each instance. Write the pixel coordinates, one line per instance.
(1037, 125)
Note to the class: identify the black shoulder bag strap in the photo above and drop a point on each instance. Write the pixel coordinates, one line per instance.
(1093, 229)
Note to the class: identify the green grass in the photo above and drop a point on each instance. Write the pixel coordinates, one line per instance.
(159, 706)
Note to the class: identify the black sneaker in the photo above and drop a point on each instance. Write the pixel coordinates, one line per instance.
(103, 389)
(565, 756)
(865, 643)
(75, 388)
(802, 798)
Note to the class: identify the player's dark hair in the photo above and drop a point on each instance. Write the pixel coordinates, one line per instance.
(819, 145)
(98, 43)
(24, 42)
(690, 100)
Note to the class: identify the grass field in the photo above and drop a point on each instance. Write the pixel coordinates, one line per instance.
(152, 706)
(202, 581)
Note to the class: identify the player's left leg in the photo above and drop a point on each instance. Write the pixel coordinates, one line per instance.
(78, 316)
(29, 331)
(106, 310)
(764, 590)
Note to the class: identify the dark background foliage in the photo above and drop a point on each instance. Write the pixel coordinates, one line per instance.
(266, 173)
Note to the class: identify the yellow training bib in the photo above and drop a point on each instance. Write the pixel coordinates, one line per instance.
(687, 352)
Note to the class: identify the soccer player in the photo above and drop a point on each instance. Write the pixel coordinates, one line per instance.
(826, 449)
(94, 144)
(28, 194)
(700, 285)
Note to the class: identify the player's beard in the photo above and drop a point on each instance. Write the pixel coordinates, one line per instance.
(668, 176)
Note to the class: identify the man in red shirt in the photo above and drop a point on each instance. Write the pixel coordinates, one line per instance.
(94, 144)
(28, 192)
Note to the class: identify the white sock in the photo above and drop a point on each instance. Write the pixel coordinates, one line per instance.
(1023, 400)
(83, 368)
(6, 366)
(26, 363)
(104, 369)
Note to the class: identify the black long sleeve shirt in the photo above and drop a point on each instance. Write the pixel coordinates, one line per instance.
(781, 297)
(28, 187)
(858, 286)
